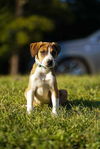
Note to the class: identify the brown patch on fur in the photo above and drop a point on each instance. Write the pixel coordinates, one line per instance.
(33, 68)
(34, 48)
(39, 46)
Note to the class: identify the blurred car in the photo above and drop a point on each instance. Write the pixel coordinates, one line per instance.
(80, 56)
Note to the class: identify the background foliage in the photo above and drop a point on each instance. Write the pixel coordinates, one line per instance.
(25, 21)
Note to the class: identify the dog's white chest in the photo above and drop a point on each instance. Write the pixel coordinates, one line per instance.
(42, 83)
(41, 79)
(43, 91)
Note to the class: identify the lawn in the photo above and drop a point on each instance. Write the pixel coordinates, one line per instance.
(76, 127)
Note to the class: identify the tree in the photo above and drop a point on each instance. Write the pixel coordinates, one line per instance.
(18, 30)
(25, 21)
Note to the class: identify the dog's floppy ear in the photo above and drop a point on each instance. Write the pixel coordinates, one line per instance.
(57, 47)
(34, 47)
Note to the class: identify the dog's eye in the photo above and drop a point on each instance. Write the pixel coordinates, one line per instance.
(43, 52)
(54, 53)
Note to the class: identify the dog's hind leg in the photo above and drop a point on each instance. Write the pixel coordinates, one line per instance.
(63, 96)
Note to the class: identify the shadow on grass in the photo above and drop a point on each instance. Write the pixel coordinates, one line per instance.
(84, 103)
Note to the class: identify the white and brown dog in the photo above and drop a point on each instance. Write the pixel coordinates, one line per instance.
(42, 87)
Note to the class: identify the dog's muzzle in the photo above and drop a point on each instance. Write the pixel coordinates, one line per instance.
(50, 63)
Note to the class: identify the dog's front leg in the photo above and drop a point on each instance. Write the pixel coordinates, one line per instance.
(55, 101)
(29, 97)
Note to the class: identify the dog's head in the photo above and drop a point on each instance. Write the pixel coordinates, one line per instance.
(45, 52)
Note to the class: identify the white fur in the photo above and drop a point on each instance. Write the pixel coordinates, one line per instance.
(55, 104)
(48, 57)
(29, 97)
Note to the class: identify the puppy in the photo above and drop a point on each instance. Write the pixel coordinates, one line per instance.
(42, 87)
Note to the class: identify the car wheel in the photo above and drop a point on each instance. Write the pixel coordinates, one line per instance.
(72, 66)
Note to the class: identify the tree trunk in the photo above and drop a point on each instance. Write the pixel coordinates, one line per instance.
(14, 61)
(14, 64)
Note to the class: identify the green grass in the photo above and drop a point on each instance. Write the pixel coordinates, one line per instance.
(76, 127)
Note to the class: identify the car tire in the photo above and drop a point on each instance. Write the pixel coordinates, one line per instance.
(72, 66)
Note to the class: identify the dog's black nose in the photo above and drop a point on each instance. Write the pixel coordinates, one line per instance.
(50, 63)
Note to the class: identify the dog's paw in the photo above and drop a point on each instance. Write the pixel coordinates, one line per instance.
(29, 110)
(54, 113)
